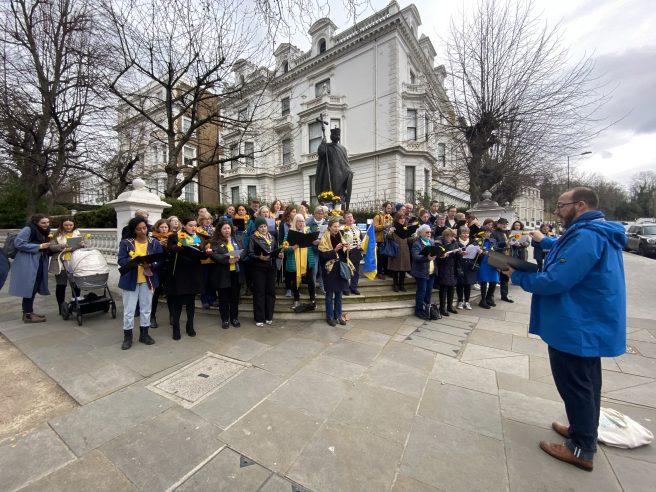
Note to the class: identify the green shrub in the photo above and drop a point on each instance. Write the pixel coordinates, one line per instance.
(101, 218)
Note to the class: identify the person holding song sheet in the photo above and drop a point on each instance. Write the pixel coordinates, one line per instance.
(161, 232)
(138, 279)
(228, 276)
(466, 267)
(446, 271)
(353, 236)
(335, 264)
(240, 220)
(186, 278)
(398, 265)
(423, 270)
(487, 276)
(286, 223)
(263, 251)
(300, 259)
(382, 223)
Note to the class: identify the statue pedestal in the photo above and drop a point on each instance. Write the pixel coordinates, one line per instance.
(128, 202)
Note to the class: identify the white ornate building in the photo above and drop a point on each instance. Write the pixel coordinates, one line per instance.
(529, 206)
(370, 81)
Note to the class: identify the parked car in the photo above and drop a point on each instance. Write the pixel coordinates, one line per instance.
(642, 238)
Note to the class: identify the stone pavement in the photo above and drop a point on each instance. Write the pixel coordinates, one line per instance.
(381, 404)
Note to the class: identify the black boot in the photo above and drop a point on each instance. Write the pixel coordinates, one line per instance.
(483, 303)
(190, 329)
(176, 331)
(144, 337)
(402, 282)
(153, 322)
(127, 339)
(443, 310)
(489, 298)
(395, 282)
(449, 301)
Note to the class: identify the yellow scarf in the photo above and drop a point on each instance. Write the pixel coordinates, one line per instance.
(326, 245)
(301, 258)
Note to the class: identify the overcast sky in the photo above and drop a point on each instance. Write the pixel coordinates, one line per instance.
(621, 37)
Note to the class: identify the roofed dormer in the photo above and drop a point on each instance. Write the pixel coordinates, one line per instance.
(428, 49)
(411, 16)
(322, 32)
(285, 54)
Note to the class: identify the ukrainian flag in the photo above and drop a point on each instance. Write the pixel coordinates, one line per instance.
(370, 266)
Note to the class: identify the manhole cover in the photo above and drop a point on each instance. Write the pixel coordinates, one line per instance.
(194, 382)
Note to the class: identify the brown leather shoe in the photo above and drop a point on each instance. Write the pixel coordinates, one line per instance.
(562, 453)
(561, 429)
(31, 318)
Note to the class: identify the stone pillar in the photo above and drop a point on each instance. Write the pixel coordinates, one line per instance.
(128, 202)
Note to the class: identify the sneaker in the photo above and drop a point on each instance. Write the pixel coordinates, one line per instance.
(468, 306)
(288, 293)
(461, 305)
(259, 324)
(476, 287)
(269, 322)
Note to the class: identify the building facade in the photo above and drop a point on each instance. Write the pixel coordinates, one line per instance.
(369, 81)
(529, 206)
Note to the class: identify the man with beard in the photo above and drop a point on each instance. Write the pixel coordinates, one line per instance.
(579, 310)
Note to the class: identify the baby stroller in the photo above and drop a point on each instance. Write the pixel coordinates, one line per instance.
(88, 270)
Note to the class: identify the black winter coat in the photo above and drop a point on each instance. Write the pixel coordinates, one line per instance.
(333, 281)
(258, 246)
(446, 266)
(185, 273)
(220, 277)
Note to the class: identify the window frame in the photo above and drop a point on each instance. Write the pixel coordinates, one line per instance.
(441, 153)
(409, 127)
(316, 140)
(249, 153)
(410, 198)
(285, 106)
(286, 156)
(319, 85)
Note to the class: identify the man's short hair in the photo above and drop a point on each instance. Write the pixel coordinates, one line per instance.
(141, 213)
(585, 194)
(450, 207)
(434, 201)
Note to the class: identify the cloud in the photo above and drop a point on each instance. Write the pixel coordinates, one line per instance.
(606, 155)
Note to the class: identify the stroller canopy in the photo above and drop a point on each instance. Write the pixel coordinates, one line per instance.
(88, 261)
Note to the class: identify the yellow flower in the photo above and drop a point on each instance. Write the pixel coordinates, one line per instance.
(50, 235)
(182, 235)
(132, 254)
(87, 235)
(285, 244)
(518, 236)
(179, 244)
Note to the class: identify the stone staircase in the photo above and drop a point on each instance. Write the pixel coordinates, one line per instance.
(376, 300)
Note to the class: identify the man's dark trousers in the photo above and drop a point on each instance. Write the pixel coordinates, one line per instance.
(503, 285)
(578, 380)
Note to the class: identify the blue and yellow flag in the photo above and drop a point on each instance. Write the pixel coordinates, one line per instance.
(370, 266)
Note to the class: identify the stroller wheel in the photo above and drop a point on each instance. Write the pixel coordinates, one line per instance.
(79, 319)
(64, 310)
(114, 311)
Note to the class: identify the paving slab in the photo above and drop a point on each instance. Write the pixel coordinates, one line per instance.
(527, 387)
(389, 327)
(272, 434)
(503, 326)
(237, 397)
(223, 472)
(159, 452)
(388, 374)
(454, 459)
(443, 348)
(518, 317)
(464, 375)
(451, 330)
(642, 335)
(644, 394)
(339, 459)
(487, 338)
(530, 468)
(533, 410)
(244, 349)
(476, 352)
(453, 321)
(639, 322)
(356, 352)
(487, 314)
(288, 356)
(440, 336)
(610, 364)
(634, 475)
(638, 365)
(366, 336)
(646, 349)
(92, 425)
(530, 346)
(28, 457)
(277, 484)
(539, 368)
(512, 365)
(464, 408)
(386, 413)
(312, 392)
(406, 354)
(91, 471)
(612, 381)
(407, 484)
(322, 332)
(270, 335)
(99, 382)
(336, 367)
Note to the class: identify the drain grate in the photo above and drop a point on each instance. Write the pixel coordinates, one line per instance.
(196, 381)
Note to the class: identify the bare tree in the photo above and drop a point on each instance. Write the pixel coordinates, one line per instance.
(48, 89)
(520, 102)
(643, 192)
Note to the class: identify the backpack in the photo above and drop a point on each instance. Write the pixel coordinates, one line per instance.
(10, 247)
(434, 312)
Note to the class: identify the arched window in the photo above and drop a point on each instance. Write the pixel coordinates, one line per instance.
(285, 67)
(322, 45)
(242, 79)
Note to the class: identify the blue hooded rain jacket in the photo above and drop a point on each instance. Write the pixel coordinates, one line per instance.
(579, 299)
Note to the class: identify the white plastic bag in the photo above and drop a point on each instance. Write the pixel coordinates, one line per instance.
(620, 431)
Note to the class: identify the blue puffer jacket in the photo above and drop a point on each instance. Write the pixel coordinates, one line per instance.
(579, 299)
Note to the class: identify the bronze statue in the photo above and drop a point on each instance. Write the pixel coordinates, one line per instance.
(333, 170)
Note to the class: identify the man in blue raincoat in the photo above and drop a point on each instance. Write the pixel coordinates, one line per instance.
(579, 310)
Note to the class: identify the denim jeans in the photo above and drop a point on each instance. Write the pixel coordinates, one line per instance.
(333, 305)
(208, 296)
(423, 294)
(578, 380)
(144, 297)
(355, 278)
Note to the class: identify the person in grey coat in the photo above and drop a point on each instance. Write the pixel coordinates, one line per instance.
(29, 272)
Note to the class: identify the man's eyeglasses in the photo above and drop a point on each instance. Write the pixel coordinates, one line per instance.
(561, 205)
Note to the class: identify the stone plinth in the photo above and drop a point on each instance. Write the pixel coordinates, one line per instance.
(128, 202)
(489, 209)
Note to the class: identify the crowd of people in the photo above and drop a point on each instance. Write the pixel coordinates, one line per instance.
(249, 250)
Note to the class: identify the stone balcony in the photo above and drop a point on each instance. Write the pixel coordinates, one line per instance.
(240, 171)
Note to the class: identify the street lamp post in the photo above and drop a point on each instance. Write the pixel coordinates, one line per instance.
(582, 153)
